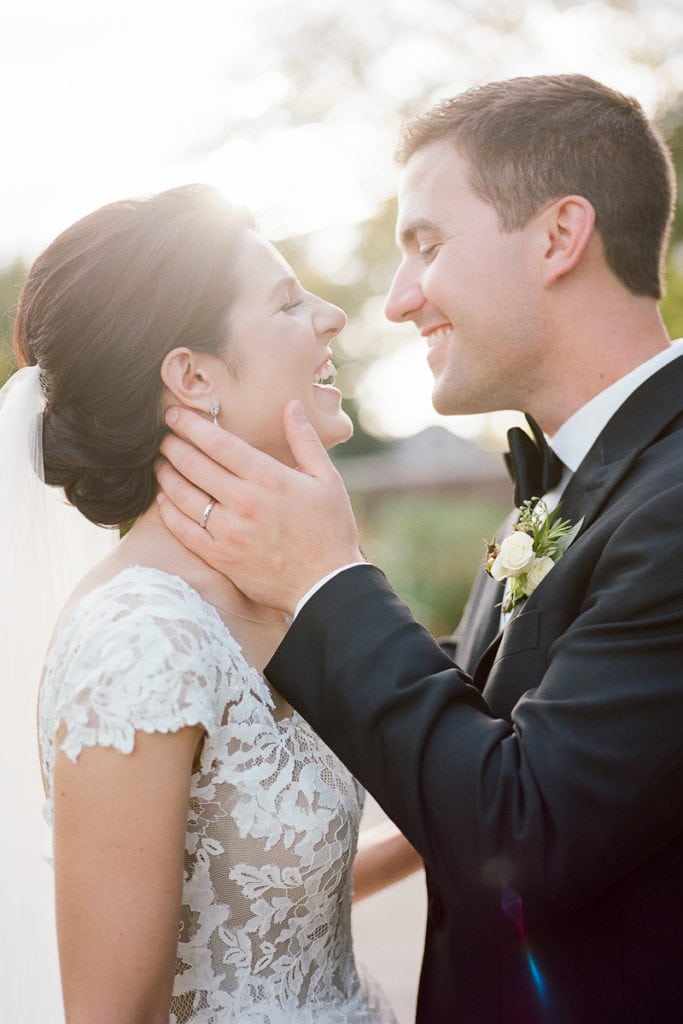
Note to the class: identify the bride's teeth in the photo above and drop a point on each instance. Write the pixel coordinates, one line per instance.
(325, 374)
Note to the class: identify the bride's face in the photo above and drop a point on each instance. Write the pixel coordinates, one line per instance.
(279, 348)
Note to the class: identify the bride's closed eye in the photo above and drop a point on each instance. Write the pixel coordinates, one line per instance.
(291, 304)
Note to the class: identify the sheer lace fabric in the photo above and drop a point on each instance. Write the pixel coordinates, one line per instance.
(265, 933)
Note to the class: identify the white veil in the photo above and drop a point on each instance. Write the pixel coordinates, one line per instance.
(46, 546)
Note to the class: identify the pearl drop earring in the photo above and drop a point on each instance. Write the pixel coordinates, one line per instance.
(214, 410)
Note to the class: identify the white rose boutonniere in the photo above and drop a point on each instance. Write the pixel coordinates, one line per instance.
(526, 557)
(515, 556)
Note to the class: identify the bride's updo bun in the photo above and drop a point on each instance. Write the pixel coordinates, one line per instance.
(99, 311)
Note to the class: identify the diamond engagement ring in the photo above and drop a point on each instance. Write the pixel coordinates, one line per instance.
(206, 513)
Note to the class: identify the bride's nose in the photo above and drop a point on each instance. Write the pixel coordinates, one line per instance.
(329, 319)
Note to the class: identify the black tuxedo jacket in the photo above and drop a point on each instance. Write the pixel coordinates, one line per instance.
(544, 788)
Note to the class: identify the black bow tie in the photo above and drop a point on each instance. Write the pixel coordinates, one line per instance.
(532, 464)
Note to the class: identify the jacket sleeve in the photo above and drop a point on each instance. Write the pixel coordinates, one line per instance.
(579, 783)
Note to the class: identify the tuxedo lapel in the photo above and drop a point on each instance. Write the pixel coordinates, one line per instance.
(647, 413)
(591, 485)
(480, 622)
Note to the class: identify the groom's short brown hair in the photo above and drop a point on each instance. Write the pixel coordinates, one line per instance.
(531, 140)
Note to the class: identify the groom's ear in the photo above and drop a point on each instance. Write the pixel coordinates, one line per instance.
(568, 227)
(190, 377)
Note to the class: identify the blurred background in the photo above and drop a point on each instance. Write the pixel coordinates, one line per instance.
(293, 109)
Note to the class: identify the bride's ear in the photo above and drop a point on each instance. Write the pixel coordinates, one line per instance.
(189, 376)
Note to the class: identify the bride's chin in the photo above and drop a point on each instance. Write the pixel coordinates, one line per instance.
(336, 434)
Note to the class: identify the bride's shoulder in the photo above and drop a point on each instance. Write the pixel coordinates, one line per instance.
(139, 651)
(143, 611)
(136, 595)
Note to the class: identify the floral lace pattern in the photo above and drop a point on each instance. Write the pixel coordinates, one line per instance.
(265, 931)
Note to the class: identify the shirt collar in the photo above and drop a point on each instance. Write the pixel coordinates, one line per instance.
(576, 436)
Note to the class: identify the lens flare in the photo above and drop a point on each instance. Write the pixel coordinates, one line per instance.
(512, 905)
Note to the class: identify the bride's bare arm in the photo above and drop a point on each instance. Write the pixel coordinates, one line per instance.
(384, 856)
(119, 839)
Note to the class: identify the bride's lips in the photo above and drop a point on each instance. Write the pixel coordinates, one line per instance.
(327, 373)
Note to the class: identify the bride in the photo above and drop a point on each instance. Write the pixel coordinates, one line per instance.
(203, 835)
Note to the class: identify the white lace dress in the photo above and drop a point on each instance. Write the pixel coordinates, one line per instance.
(264, 932)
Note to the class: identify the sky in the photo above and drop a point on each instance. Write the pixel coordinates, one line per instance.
(99, 100)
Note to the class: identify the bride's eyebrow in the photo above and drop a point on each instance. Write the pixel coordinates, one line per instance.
(282, 284)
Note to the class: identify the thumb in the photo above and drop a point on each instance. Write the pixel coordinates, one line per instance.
(307, 448)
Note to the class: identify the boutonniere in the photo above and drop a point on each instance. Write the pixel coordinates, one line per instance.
(526, 557)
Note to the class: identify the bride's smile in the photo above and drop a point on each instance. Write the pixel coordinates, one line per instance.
(279, 347)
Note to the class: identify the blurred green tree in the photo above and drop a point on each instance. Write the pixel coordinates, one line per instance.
(431, 546)
(671, 122)
(10, 282)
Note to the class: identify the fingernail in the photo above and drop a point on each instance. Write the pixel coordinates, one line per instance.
(299, 413)
(172, 416)
(157, 464)
(161, 497)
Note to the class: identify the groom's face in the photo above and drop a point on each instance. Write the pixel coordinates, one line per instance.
(470, 288)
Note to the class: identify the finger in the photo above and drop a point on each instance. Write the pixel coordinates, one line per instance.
(187, 530)
(185, 496)
(306, 446)
(200, 471)
(219, 445)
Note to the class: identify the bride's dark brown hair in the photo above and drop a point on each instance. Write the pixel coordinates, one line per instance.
(99, 311)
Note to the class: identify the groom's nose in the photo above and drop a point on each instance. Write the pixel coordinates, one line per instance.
(405, 296)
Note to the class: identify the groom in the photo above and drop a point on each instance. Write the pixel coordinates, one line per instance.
(539, 773)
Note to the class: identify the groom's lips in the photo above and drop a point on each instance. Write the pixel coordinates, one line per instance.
(434, 336)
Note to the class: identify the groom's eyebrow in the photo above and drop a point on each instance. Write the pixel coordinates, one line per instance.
(408, 233)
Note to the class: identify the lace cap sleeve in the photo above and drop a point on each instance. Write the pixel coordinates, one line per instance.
(142, 652)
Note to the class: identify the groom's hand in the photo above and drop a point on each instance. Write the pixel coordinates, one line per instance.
(274, 531)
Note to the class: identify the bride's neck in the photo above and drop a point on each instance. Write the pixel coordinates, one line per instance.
(150, 543)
